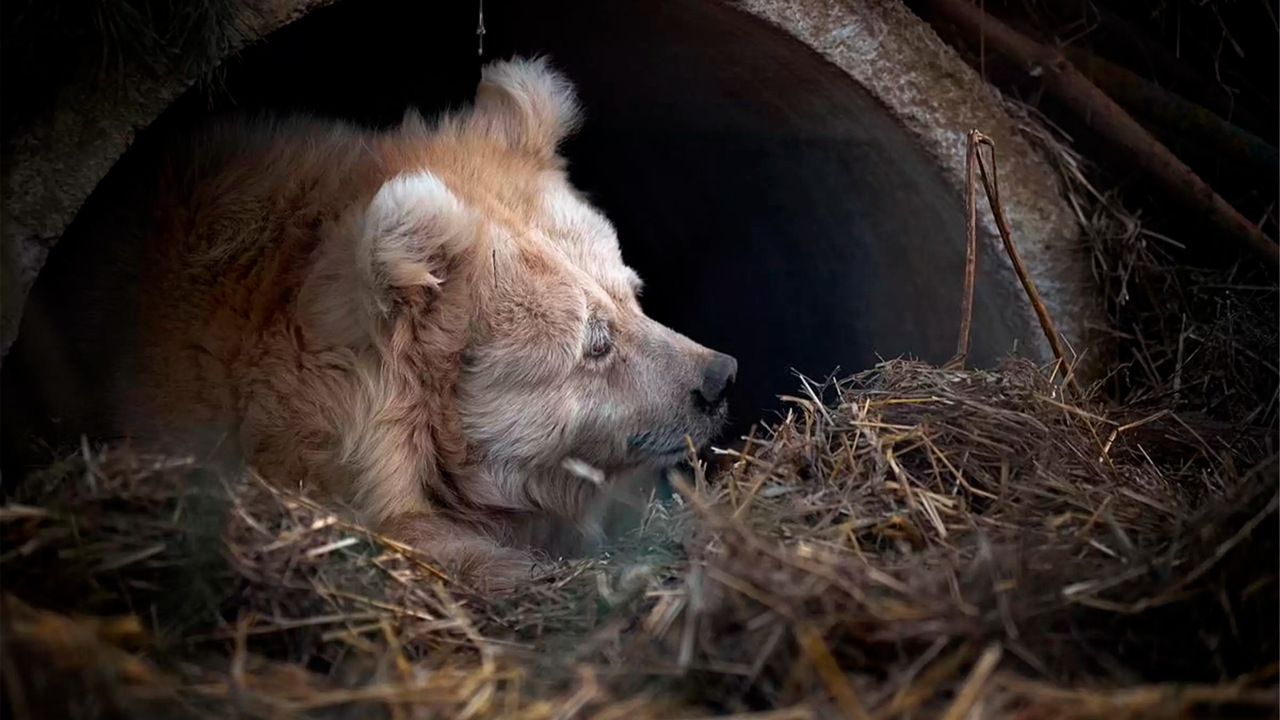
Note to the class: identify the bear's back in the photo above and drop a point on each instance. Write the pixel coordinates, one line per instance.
(192, 242)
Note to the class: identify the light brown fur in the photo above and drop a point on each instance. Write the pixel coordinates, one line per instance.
(407, 320)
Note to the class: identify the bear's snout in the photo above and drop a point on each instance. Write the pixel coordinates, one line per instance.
(718, 375)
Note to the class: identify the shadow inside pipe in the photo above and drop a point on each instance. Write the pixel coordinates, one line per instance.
(774, 208)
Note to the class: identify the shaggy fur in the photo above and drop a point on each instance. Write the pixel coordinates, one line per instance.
(426, 322)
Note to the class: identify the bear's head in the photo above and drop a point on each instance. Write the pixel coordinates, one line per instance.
(503, 265)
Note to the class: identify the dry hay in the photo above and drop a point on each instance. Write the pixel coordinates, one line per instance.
(911, 542)
(1183, 330)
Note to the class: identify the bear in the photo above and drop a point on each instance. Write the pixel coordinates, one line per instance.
(427, 322)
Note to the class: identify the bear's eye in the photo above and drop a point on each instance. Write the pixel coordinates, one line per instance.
(599, 339)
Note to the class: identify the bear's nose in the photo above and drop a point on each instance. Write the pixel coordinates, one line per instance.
(717, 378)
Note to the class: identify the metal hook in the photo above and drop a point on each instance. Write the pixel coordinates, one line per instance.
(480, 30)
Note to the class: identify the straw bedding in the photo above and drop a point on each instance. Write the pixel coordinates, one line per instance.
(909, 542)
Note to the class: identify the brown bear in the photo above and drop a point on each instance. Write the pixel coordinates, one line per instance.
(427, 322)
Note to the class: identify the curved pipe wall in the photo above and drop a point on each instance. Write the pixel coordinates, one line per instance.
(776, 210)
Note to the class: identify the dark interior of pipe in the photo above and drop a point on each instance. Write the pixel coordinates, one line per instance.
(775, 210)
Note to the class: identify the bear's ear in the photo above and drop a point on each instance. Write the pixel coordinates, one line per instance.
(394, 253)
(409, 234)
(527, 105)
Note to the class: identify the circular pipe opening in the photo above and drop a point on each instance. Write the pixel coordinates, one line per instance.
(775, 210)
